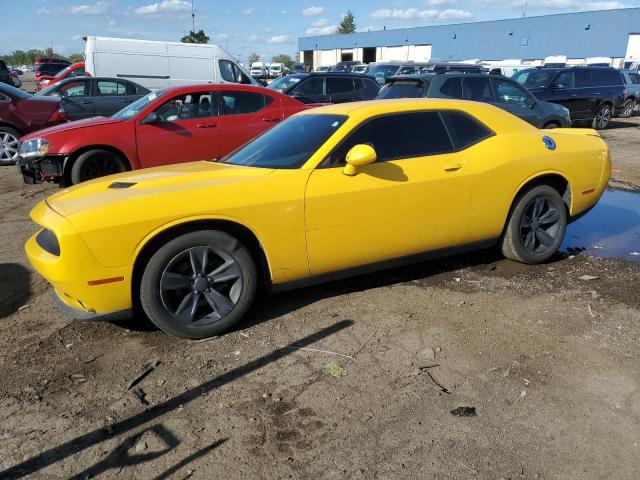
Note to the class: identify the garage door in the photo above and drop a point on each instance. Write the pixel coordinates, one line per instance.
(422, 53)
(397, 53)
(327, 57)
(633, 46)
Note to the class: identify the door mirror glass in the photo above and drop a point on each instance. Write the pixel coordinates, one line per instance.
(150, 119)
(359, 155)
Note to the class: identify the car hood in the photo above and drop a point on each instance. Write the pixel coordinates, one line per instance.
(159, 182)
(68, 126)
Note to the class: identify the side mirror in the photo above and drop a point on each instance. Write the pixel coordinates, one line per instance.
(532, 102)
(359, 155)
(150, 119)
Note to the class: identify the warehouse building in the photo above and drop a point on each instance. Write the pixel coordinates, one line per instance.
(606, 33)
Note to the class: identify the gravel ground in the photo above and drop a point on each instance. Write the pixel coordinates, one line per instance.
(339, 381)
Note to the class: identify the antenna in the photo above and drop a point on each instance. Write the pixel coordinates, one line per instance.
(193, 18)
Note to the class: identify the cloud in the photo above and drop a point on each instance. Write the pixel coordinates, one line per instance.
(112, 23)
(415, 14)
(310, 11)
(221, 36)
(97, 8)
(279, 39)
(554, 4)
(283, 12)
(164, 7)
(435, 3)
(327, 30)
(248, 11)
(322, 22)
(76, 37)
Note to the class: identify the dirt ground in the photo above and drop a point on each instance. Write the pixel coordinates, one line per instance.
(326, 382)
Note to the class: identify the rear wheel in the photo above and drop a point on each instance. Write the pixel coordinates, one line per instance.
(9, 143)
(627, 109)
(602, 117)
(551, 125)
(198, 284)
(536, 226)
(96, 163)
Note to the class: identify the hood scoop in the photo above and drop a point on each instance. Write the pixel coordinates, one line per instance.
(122, 184)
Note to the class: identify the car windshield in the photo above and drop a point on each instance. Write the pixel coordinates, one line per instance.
(136, 107)
(383, 71)
(289, 144)
(13, 91)
(534, 78)
(404, 89)
(284, 83)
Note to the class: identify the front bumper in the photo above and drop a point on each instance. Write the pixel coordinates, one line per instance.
(38, 170)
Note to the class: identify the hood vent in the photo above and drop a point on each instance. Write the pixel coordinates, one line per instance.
(122, 184)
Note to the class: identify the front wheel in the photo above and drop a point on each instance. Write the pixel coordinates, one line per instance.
(9, 143)
(627, 108)
(536, 226)
(96, 163)
(198, 284)
(602, 117)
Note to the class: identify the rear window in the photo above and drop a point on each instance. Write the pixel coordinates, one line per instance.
(535, 78)
(404, 89)
(464, 129)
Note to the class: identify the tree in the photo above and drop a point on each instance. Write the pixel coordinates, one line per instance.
(253, 57)
(347, 25)
(195, 37)
(286, 60)
(76, 57)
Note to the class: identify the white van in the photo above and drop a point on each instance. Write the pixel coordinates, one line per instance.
(257, 70)
(162, 64)
(275, 69)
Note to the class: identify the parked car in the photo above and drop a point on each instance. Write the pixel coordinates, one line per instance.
(326, 194)
(592, 94)
(48, 70)
(155, 64)
(345, 66)
(327, 87)
(258, 70)
(15, 78)
(5, 73)
(495, 89)
(182, 124)
(22, 113)
(360, 68)
(381, 71)
(85, 97)
(632, 80)
(275, 69)
(41, 60)
(75, 70)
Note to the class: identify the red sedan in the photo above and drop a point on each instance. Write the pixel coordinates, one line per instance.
(174, 125)
(74, 70)
(22, 113)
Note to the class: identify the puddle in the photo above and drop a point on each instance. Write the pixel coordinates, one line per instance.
(611, 229)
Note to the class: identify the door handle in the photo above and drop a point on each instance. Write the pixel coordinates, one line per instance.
(596, 93)
(270, 119)
(206, 125)
(452, 166)
(87, 102)
(574, 94)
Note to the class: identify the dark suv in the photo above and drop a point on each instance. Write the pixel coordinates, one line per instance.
(5, 76)
(327, 87)
(481, 87)
(592, 94)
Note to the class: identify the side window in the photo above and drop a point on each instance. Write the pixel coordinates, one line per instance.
(110, 88)
(566, 80)
(607, 77)
(231, 72)
(131, 89)
(635, 78)
(404, 135)
(478, 89)
(359, 84)
(508, 92)
(452, 87)
(3, 98)
(464, 129)
(339, 85)
(78, 73)
(74, 89)
(313, 87)
(237, 103)
(583, 78)
(187, 107)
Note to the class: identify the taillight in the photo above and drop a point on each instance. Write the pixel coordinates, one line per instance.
(59, 115)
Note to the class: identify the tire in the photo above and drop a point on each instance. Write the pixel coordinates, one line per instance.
(627, 108)
(9, 144)
(169, 284)
(539, 241)
(96, 163)
(602, 117)
(551, 125)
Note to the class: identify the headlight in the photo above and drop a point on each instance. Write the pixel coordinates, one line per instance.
(35, 148)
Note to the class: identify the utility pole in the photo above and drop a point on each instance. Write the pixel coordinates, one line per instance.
(524, 13)
(193, 18)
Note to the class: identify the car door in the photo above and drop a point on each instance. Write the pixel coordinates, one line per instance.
(412, 199)
(186, 130)
(514, 99)
(341, 90)
(244, 115)
(110, 96)
(77, 99)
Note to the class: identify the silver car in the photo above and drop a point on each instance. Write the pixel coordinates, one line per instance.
(632, 81)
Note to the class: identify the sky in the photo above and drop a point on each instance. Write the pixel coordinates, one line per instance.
(244, 26)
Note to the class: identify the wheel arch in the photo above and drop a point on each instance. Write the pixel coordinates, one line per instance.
(9, 125)
(73, 156)
(157, 238)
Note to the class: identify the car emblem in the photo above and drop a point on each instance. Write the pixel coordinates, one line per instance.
(549, 142)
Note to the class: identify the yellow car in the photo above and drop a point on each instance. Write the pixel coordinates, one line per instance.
(330, 192)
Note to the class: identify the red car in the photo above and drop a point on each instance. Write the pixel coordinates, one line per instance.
(22, 113)
(75, 70)
(174, 125)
